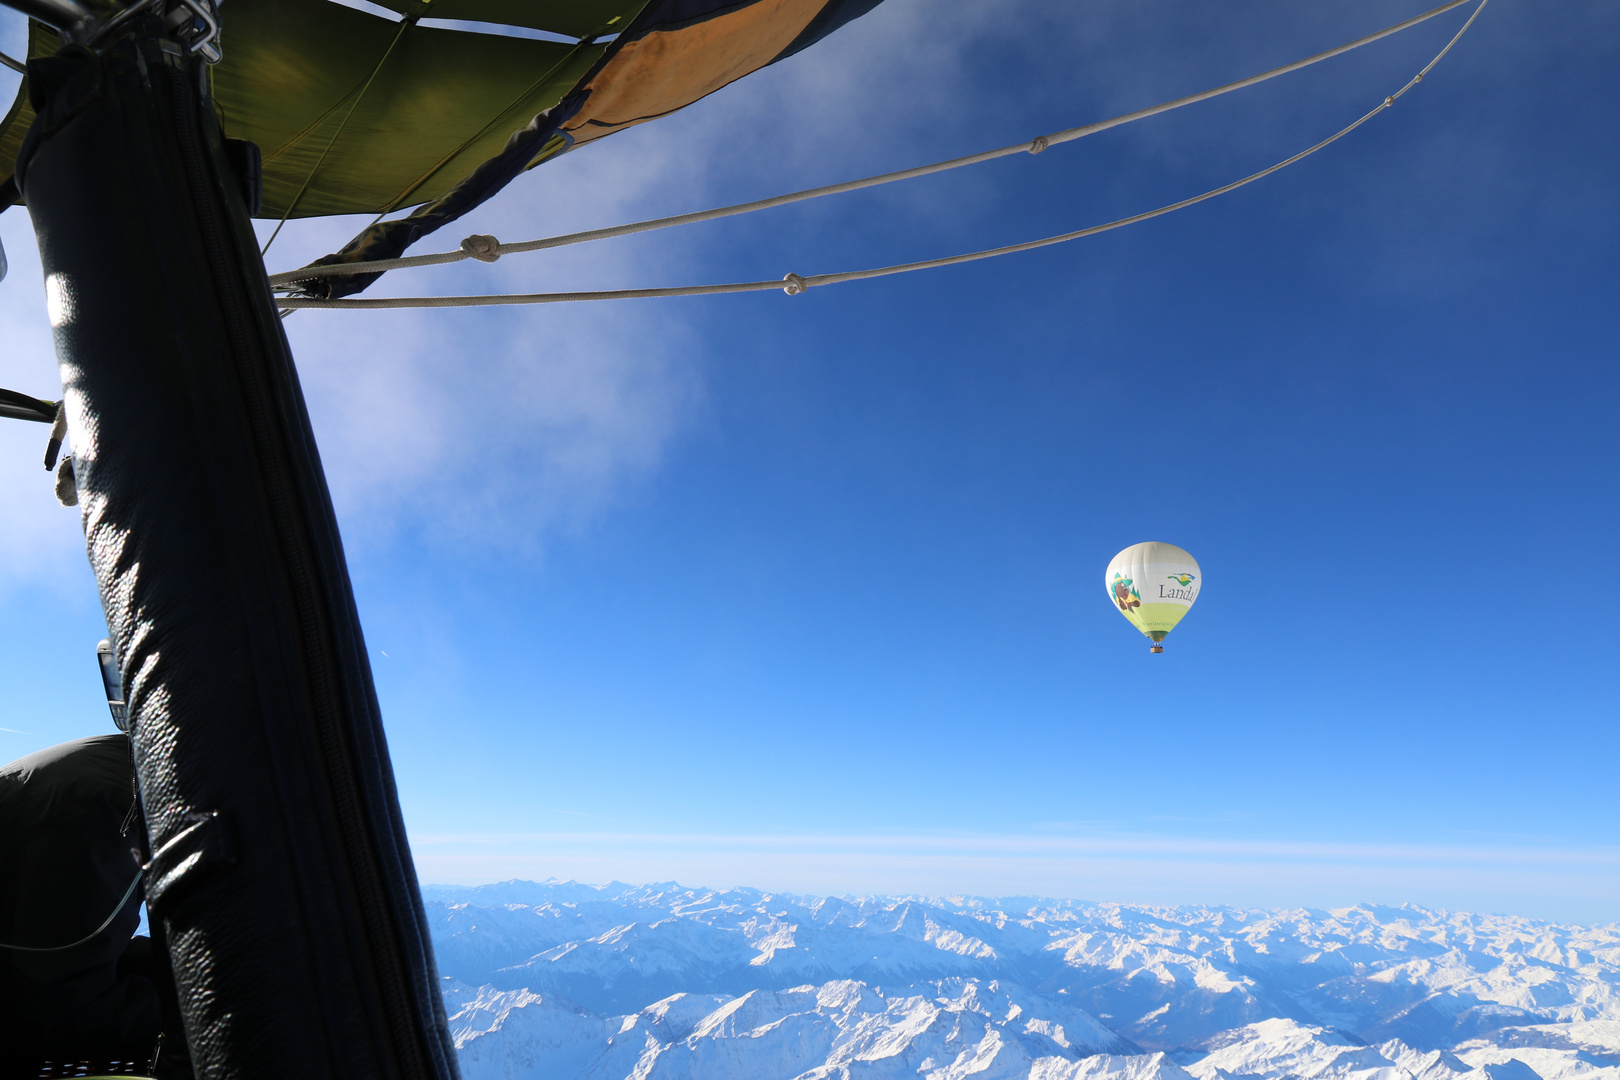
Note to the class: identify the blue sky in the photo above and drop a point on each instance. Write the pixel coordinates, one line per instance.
(806, 593)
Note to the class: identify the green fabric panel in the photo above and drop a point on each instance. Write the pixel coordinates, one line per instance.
(12, 131)
(42, 41)
(574, 18)
(443, 101)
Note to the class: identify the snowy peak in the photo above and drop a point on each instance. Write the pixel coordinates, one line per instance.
(1421, 1065)
(1280, 1049)
(1111, 1067)
(957, 1028)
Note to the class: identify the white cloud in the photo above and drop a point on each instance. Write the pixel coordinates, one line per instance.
(504, 424)
(499, 426)
(487, 428)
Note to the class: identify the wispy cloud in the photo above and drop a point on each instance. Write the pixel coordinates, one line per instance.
(498, 427)
(488, 430)
(482, 427)
(495, 428)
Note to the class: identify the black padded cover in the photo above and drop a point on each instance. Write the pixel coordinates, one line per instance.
(280, 871)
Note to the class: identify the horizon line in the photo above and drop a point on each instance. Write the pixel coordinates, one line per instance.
(1144, 846)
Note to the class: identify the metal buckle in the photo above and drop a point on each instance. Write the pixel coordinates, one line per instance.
(193, 21)
(203, 39)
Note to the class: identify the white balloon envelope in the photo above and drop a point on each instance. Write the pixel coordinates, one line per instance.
(1153, 585)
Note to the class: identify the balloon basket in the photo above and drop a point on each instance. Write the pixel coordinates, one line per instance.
(1155, 647)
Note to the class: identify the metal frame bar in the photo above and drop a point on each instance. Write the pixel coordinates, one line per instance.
(76, 20)
(83, 25)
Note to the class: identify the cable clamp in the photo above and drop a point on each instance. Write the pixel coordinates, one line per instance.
(482, 247)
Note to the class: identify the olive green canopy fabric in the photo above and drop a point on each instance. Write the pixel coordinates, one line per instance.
(41, 42)
(354, 112)
(442, 101)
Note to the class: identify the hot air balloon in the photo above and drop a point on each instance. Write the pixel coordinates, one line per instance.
(1153, 585)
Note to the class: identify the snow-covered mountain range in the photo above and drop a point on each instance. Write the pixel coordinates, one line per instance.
(561, 981)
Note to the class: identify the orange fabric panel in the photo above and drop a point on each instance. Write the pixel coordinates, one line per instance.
(668, 70)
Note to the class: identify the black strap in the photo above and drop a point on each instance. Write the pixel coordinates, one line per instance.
(17, 406)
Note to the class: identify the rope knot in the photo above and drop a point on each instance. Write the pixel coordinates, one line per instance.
(1388, 102)
(1039, 144)
(795, 285)
(481, 247)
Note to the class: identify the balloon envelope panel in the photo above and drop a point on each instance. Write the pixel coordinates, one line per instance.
(1153, 585)
(357, 113)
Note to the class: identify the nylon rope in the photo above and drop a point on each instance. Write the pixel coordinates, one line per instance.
(404, 25)
(795, 284)
(1033, 146)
